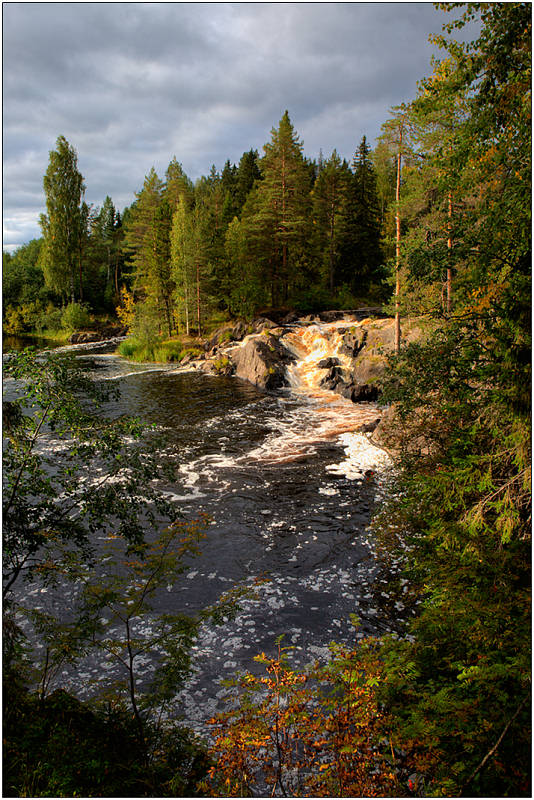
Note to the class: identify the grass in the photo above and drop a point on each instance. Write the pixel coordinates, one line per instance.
(161, 351)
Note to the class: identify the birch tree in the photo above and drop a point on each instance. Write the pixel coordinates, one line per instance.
(63, 224)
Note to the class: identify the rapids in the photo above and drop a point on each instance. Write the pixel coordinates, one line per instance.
(289, 485)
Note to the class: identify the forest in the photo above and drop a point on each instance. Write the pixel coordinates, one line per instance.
(434, 222)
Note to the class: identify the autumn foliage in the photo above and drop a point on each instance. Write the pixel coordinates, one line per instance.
(317, 732)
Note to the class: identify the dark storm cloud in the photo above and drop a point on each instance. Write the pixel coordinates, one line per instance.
(132, 85)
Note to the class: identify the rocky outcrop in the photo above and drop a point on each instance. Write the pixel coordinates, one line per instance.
(84, 337)
(262, 360)
(227, 334)
(255, 351)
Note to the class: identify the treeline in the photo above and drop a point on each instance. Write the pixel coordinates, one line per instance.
(446, 709)
(276, 231)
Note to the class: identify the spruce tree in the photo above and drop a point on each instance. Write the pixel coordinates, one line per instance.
(177, 185)
(279, 219)
(330, 196)
(248, 172)
(367, 219)
(147, 241)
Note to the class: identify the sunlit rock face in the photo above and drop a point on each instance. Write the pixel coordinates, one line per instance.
(344, 352)
(262, 360)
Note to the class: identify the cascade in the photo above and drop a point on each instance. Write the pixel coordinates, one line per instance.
(312, 345)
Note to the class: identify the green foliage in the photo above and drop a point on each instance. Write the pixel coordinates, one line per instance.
(64, 225)
(54, 744)
(160, 350)
(62, 747)
(75, 317)
(48, 503)
(459, 689)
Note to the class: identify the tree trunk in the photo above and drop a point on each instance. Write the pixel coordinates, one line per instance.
(331, 250)
(198, 300)
(186, 298)
(397, 247)
(449, 246)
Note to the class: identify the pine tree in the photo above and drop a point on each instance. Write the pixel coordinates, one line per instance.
(248, 172)
(190, 263)
(147, 240)
(161, 284)
(138, 240)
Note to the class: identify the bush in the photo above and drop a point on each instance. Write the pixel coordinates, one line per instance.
(49, 320)
(75, 317)
(63, 747)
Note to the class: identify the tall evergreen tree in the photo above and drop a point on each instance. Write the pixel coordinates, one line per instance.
(138, 239)
(279, 219)
(330, 196)
(161, 284)
(147, 241)
(248, 172)
(64, 225)
(367, 217)
(177, 185)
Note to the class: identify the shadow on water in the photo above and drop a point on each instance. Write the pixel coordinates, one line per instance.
(256, 464)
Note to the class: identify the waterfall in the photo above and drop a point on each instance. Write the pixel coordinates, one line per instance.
(312, 345)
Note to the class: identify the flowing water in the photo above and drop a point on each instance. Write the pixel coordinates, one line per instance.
(289, 487)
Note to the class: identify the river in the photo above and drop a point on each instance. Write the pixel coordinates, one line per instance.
(289, 488)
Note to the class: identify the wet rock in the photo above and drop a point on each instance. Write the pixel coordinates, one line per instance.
(262, 323)
(364, 392)
(83, 337)
(333, 378)
(328, 363)
(290, 318)
(344, 389)
(207, 366)
(368, 427)
(221, 336)
(187, 359)
(262, 360)
(353, 342)
(385, 433)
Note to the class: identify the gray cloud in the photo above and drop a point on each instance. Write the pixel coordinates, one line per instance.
(131, 85)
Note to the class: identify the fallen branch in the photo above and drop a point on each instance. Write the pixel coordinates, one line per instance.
(496, 745)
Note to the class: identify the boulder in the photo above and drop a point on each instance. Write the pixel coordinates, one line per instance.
(290, 318)
(262, 360)
(262, 323)
(220, 336)
(368, 427)
(333, 378)
(84, 337)
(328, 363)
(353, 342)
(364, 392)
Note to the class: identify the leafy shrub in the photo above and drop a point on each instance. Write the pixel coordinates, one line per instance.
(317, 733)
(61, 747)
(13, 321)
(49, 320)
(75, 317)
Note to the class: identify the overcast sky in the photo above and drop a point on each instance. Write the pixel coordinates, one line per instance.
(130, 85)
